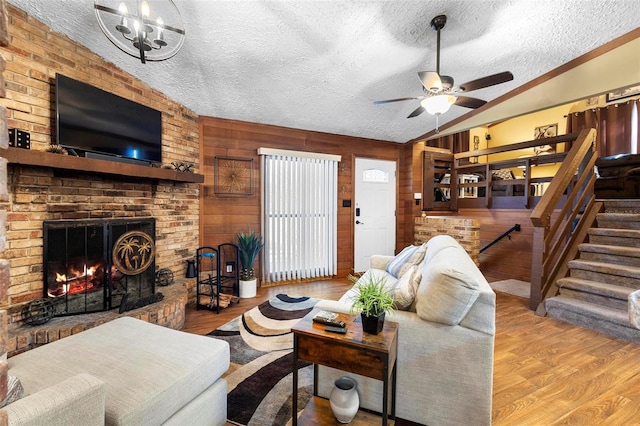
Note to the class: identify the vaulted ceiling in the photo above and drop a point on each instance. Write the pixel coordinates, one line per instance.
(319, 64)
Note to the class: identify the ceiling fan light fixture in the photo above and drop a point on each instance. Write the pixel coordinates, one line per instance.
(439, 104)
(127, 23)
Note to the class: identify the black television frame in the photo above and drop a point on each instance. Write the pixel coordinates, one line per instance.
(92, 122)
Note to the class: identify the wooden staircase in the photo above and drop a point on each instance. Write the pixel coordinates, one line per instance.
(604, 273)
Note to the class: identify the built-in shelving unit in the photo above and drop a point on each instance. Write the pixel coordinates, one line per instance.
(29, 157)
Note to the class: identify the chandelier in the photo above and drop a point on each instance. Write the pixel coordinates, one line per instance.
(148, 30)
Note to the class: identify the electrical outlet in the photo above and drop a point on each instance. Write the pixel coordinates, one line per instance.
(229, 266)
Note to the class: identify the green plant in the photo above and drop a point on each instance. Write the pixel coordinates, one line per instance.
(372, 298)
(249, 245)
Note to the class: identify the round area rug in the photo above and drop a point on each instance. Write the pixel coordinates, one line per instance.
(259, 377)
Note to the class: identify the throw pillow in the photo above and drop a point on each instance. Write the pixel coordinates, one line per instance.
(449, 287)
(503, 174)
(15, 391)
(404, 291)
(415, 259)
(395, 264)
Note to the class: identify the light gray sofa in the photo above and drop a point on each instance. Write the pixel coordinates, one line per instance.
(445, 343)
(124, 372)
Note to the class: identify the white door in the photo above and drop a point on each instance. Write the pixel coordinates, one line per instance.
(375, 210)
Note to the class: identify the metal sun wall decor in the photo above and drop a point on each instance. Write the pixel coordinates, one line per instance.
(233, 176)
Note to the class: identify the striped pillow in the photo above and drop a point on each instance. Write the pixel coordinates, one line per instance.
(395, 265)
(409, 256)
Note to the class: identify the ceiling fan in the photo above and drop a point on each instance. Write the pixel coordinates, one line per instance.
(439, 90)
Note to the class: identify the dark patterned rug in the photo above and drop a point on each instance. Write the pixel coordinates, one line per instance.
(259, 378)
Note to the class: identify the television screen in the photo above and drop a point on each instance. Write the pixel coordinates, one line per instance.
(92, 121)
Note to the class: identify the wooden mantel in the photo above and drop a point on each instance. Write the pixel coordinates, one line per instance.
(66, 162)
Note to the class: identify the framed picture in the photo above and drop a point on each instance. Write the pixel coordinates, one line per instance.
(543, 132)
(623, 93)
(233, 176)
(547, 131)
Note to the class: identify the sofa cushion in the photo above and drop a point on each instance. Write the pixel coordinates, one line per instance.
(405, 289)
(437, 244)
(394, 265)
(416, 259)
(450, 285)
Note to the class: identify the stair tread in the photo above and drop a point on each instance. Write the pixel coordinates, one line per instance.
(591, 265)
(611, 289)
(610, 249)
(613, 232)
(619, 316)
(620, 216)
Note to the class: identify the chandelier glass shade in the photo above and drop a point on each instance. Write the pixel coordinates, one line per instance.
(150, 30)
(438, 104)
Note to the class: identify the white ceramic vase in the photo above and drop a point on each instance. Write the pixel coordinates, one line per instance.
(344, 399)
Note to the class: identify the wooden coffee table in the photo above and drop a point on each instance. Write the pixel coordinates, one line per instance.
(356, 352)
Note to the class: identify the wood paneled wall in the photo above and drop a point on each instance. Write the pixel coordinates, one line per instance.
(222, 217)
(511, 257)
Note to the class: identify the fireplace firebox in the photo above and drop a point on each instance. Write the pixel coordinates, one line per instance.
(90, 265)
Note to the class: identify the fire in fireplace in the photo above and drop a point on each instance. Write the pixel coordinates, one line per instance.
(90, 265)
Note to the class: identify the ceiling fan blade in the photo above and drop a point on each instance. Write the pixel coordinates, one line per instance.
(430, 80)
(394, 100)
(490, 80)
(416, 112)
(467, 102)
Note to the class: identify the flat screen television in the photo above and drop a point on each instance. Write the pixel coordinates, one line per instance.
(94, 123)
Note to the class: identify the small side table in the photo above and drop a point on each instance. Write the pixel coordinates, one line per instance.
(356, 352)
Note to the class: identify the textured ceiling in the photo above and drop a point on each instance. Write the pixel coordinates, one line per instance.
(319, 65)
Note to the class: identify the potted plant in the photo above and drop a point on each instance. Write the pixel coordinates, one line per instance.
(372, 300)
(249, 245)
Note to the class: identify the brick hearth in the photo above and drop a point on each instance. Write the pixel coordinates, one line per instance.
(169, 312)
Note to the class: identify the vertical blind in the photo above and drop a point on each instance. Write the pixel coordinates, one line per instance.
(299, 214)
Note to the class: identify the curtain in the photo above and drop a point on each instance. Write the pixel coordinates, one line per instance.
(457, 142)
(299, 214)
(617, 127)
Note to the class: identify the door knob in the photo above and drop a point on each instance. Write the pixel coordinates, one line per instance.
(359, 223)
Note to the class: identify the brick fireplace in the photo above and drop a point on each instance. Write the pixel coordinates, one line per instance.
(48, 195)
(49, 187)
(95, 265)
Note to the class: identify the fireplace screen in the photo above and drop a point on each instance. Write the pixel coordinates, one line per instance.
(90, 265)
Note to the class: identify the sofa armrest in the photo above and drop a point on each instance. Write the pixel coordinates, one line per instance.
(379, 261)
(78, 400)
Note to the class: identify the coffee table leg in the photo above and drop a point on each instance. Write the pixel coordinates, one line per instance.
(294, 402)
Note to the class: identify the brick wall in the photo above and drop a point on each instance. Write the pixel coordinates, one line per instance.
(465, 231)
(4, 263)
(35, 54)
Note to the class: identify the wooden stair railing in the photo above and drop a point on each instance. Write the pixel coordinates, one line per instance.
(562, 218)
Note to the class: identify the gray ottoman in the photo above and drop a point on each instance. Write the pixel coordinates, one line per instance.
(153, 375)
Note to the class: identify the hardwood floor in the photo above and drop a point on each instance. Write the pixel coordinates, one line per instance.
(546, 372)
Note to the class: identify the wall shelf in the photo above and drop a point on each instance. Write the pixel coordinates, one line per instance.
(29, 157)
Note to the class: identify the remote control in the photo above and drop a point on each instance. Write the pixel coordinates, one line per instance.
(332, 323)
(339, 330)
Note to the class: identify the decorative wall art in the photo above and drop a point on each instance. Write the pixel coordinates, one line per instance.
(547, 131)
(233, 176)
(543, 132)
(623, 93)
